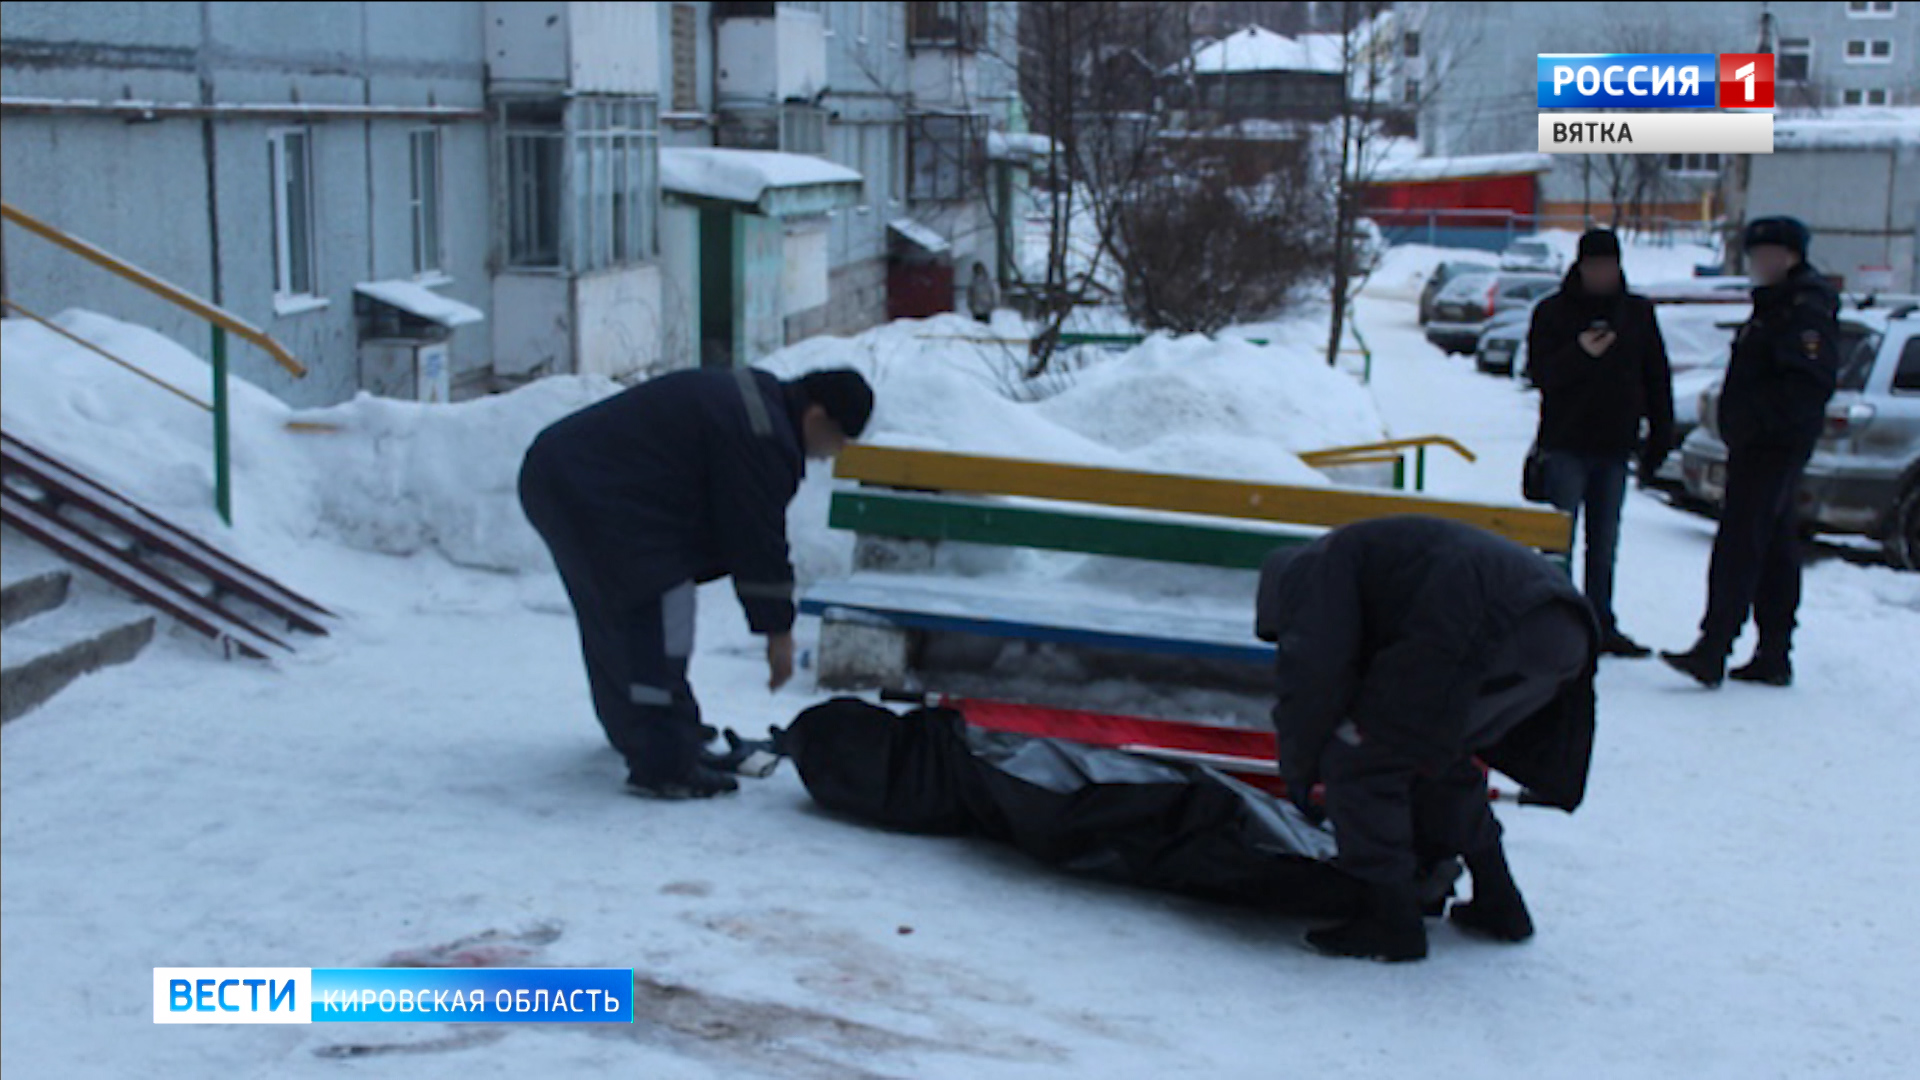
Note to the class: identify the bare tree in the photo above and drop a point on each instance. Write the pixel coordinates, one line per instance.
(1199, 252)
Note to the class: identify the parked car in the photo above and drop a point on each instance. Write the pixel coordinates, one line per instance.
(1502, 347)
(1532, 256)
(1443, 275)
(1864, 478)
(1469, 303)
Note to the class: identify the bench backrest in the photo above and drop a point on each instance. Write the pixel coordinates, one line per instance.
(1547, 530)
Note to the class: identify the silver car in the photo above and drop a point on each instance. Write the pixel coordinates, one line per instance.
(1536, 256)
(1469, 303)
(1864, 478)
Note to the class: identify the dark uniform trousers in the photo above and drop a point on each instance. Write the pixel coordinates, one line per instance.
(1389, 815)
(636, 648)
(1756, 554)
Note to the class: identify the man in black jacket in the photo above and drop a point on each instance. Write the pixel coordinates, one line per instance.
(1772, 408)
(675, 482)
(1406, 647)
(1601, 365)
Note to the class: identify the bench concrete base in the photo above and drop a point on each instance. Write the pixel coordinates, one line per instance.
(862, 656)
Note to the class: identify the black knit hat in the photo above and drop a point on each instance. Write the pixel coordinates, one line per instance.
(1786, 232)
(1599, 244)
(844, 394)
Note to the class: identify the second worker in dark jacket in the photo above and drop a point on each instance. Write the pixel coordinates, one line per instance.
(678, 481)
(1596, 353)
(1772, 408)
(1407, 647)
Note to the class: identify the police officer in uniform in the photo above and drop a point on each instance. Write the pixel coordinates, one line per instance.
(1772, 408)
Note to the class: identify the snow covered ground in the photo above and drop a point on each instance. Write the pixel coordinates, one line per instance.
(1734, 900)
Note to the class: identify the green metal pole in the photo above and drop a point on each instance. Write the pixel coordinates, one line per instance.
(1400, 474)
(222, 465)
(1420, 469)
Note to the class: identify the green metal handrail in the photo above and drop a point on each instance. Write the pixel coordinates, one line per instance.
(219, 318)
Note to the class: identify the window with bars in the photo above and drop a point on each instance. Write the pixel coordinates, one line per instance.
(1412, 44)
(1694, 164)
(1794, 63)
(943, 154)
(424, 188)
(959, 24)
(582, 182)
(290, 173)
(1874, 96)
(615, 182)
(803, 129)
(686, 59)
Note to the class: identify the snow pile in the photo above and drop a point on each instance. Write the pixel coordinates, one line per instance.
(104, 420)
(1219, 408)
(1404, 270)
(1849, 129)
(401, 477)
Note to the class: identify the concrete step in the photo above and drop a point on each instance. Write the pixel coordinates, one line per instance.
(47, 653)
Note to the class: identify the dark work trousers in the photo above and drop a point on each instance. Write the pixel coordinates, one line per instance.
(636, 647)
(1593, 488)
(1756, 554)
(1389, 815)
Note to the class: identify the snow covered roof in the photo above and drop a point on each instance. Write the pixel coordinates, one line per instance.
(416, 299)
(748, 176)
(1259, 49)
(1009, 145)
(1454, 168)
(1849, 129)
(919, 235)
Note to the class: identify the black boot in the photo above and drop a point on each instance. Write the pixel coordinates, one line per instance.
(1768, 668)
(1388, 929)
(1619, 644)
(699, 782)
(1496, 910)
(1703, 664)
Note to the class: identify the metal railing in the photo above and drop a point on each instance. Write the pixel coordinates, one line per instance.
(1391, 451)
(221, 320)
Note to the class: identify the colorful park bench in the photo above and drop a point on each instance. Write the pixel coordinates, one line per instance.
(909, 501)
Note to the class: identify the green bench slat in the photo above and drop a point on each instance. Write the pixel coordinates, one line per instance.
(933, 518)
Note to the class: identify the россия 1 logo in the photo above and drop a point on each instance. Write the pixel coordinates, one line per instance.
(1746, 80)
(1625, 80)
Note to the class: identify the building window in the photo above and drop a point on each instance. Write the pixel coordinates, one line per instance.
(582, 182)
(686, 58)
(535, 143)
(424, 200)
(956, 24)
(1411, 91)
(1877, 96)
(1693, 164)
(943, 153)
(1795, 60)
(1411, 43)
(1879, 9)
(290, 171)
(1875, 51)
(616, 185)
(803, 129)
(896, 168)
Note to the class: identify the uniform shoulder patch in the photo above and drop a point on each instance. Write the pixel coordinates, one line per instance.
(1810, 342)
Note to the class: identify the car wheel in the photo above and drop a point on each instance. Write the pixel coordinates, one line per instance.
(1903, 530)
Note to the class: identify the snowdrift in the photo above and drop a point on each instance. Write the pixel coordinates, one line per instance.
(403, 478)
